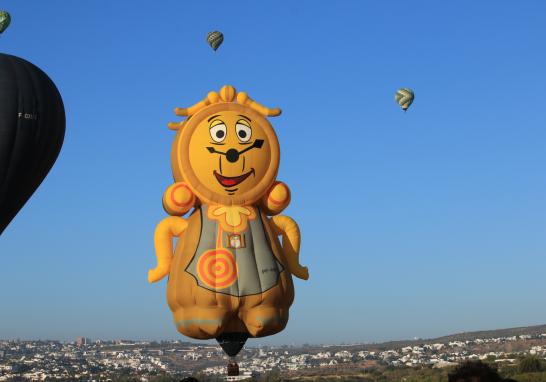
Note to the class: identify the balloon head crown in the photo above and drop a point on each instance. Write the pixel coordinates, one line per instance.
(226, 94)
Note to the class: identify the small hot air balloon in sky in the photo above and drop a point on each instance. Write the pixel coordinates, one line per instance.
(404, 97)
(32, 125)
(215, 39)
(5, 20)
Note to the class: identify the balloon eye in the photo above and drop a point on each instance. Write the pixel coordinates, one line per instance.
(218, 132)
(244, 132)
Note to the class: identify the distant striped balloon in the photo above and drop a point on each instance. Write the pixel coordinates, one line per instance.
(215, 39)
(5, 20)
(404, 97)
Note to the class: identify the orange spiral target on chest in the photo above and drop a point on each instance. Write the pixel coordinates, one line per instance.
(217, 268)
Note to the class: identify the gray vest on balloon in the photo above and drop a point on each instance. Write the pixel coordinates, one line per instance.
(241, 264)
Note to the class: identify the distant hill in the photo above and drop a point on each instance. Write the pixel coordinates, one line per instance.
(464, 336)
(467, 336)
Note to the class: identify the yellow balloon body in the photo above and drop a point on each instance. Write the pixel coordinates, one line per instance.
(229, 271)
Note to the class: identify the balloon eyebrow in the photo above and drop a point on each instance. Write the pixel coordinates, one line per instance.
(214, 116)
(245, 117)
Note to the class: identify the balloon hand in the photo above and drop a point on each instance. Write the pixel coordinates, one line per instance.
(158, 273)
(301, 272)
(212, 150)
(258, 143)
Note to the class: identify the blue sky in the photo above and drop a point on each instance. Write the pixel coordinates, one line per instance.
(414, 224)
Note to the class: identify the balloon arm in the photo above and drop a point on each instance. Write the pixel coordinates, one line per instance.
(163, 243)
(178, 199)
(276, 199)
(285, 226)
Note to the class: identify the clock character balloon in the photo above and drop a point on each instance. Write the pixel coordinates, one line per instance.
(229, 276)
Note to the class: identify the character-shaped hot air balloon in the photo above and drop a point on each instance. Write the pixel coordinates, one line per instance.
(229, 278)
(32, 124)
(404, 97)
(5, 20)
(215, 39)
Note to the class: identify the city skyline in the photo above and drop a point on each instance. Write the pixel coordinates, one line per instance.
(414, 224)
(84, 361)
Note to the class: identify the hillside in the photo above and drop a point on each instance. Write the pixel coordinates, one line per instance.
(464, 336)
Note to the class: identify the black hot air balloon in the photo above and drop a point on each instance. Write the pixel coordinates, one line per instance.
(32, 125)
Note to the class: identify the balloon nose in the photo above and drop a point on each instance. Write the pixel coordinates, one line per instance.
(232, 155)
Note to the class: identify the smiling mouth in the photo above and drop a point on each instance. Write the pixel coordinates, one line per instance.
(231, 181)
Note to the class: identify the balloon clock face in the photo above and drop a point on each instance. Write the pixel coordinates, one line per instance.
(32, 124)
(228, 154)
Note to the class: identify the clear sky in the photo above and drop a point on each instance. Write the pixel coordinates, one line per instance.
(414, 224)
